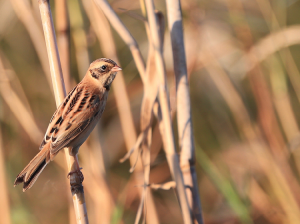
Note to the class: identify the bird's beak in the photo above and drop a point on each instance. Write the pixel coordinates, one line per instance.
(116, 69)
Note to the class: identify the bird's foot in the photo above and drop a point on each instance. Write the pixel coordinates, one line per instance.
(79, 174)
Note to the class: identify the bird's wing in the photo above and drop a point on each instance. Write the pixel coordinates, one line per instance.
(71, 118)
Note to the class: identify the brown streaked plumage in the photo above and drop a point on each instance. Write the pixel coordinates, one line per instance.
(74, 119)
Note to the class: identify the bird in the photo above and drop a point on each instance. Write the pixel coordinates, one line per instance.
(74, 119)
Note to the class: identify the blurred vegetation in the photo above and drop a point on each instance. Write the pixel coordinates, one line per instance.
(244, 112)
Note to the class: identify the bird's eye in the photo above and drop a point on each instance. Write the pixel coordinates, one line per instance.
(103, 67)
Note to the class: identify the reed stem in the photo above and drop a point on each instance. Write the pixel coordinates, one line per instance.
(169, 145)
(184, 120)
(60, 93)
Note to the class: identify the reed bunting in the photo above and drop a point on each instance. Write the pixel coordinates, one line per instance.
(74, 119)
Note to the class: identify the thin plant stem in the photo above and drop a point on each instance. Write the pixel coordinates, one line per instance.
(105, 37)
(124, 33)
(184, 120)
(25, 14)
(224, 185)
(257, 145)
(8, 17)
(98, 189)
(79, 37)
(63, 39)
(93, 160)
(169, 145)
(278, 80)
(16, 105)
(63, 43)
(60, 93)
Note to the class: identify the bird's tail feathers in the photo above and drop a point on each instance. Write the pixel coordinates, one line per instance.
(31, 172)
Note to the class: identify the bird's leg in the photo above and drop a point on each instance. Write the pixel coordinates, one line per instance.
(76, 169)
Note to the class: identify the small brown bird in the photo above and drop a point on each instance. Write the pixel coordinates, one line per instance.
(74, 119)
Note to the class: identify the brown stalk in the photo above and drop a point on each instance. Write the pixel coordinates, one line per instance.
(105, 37)
(146, 117)
(79, 37)
(11, 76)
(266, 114)
(63, 44)
(278, 80)
(7, 17)
(124, 33)
(184, 120)
(277, 179)
(265, 160)
(4, 199)
(262, 203)
(25, 14)
(60, 93)
(169, 144)
(25, 118)
(280, 184)
(108, 47)
(270, 44)
(98, 189)
(63, 39)
(281, 99)
(15, 104)
(93, 160)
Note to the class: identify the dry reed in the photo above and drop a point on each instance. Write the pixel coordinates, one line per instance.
(16, 105)
(63, 39)
(124, 33)
(25, 14)
(60, 93)
(184, 120)
(79, 37)
(108, 47)
(169, 144)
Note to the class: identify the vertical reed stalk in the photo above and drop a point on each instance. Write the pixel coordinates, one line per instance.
(267, 118)
(79, 37)
(184, 120)
(169, 147)
(63, 39)
(105, 37)
(63, 44)
(60, 93)
(279, 182)
(278, 79)
(25, 14)
(16, 105)
(124, 33)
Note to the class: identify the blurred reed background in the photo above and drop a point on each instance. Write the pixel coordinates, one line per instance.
(245, 93)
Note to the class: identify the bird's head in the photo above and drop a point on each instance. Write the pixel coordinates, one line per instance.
(103, 71)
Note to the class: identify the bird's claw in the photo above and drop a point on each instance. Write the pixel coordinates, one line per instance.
(79, 174)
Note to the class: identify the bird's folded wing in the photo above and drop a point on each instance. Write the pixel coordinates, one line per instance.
(71, 118)
(66, 137)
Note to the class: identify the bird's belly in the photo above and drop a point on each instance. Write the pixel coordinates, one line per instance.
(76, 143)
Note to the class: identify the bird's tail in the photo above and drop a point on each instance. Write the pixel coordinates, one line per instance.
(31, 172)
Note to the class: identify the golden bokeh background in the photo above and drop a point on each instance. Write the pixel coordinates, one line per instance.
(243, 69)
